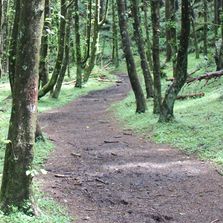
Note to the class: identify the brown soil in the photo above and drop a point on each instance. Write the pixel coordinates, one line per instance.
(105, 173)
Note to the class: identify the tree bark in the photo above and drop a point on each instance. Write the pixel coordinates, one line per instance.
(155, 17)
(97, 26)
(16, 187)
(126, 44)
(181, 71)
(13, 44)
(78, 46)
(141, 48)
(205, 3)
(148, 43)
(43, 70)
(115, 51)
(193, 24)
(60, 54)
(57, 90)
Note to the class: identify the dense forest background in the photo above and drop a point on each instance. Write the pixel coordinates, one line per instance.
(53, 51)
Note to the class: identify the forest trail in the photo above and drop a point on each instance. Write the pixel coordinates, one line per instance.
(105, 173)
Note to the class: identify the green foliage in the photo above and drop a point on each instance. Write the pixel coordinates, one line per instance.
(198, 126)
(51, 213)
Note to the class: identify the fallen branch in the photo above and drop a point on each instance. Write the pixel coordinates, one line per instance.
(195, 95)
(190, 74)
(207, 76)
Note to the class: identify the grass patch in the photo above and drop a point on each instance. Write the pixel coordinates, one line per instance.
(51, 211)
(198, 126)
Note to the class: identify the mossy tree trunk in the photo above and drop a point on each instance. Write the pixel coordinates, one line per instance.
(13, 44)
(167, 113)
(97, 26)
(78, 45)
(16, 187)
(5, 34)
(219, 47)
(141, 47)
(217, 10)
(147, 30)
(126, 45)
(60, 53)
(171, 43)
(155, 17)
(115, 51)
(43, 70)
(59, 83)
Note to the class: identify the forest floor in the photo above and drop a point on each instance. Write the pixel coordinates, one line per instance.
(105, 173)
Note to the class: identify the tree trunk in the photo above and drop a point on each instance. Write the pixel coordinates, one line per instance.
(5, 34)
(168, 35)
(217, 10)
(126, 44)
(115, 53)
(16, 187)
(181, 71)
(155, 16)
(141, 47)
(97, 26)
(60, 54)
(13, 44)
(92, 57)
(219, 48)
(148, 43)
(193, 19)
(78, 46)
(57, 90)
(43, 70)
(205, 27)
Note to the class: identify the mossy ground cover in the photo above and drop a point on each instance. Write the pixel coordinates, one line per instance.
(198, 124)
(51, 212)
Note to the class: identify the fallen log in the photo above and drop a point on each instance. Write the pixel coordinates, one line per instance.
(207, 76)
(187, 96)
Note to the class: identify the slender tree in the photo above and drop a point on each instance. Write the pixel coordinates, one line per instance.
(16, 187)
(147, 31)
(43, 70)
(182, 62)
(63, 69)
(126, 45)
(115, 51)
(60, 54)
(13, 44)
(98, 23)
(78, 45)
(155, 17)
(141, 47)
(205, 27)
(193, 24)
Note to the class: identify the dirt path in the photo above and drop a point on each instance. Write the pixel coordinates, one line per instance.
(106, 174)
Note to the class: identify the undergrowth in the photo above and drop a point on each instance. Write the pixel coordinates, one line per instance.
(51, 212)
(198, 124)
